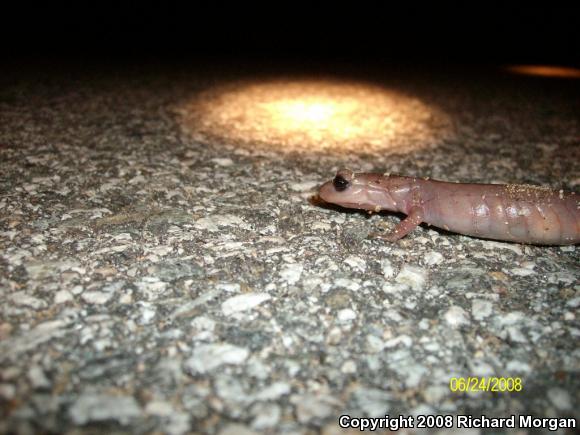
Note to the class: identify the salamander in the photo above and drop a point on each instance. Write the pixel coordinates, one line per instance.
(511, 212)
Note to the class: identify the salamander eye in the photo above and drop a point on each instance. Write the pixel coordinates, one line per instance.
(340, 183)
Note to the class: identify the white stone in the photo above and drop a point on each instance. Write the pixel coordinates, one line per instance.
(274, 391)
(310, 407)
(512, 318)
(304, 186)
(569, 316)
(207, 357)
(387, 268)
(222, 161)
(237, 429)
(159, 408)
(521, 271)
(346, 315)
(151, 287)
(348, 367)
(96, 297)
(374, 344)
(203, 323)
(243, 302)
(515, 334)
(560, 399)
(413, 276)
(212, 223)
(178, 423)
(405, 340)
(7, 391)
(480, 309)
(435, 393)
(356, 263)
(347, 283)
(38, 378)
(147, 315)
(62, 296)
(230, 287)
(21, 298)
(456, 316)
(481, 368)
(516, 366)
(412, 372)
(372, 401)
(12, 348)
(97, 407)
(267, 416)
(291, 273)
(432, 258)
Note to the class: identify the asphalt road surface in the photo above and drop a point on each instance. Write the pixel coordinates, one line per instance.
(164, 269)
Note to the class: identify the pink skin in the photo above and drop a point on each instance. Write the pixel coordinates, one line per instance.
(510, 212)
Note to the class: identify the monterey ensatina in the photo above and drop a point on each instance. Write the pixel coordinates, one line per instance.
(512, 212)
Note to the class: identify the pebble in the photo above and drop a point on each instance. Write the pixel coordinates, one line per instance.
(23, 299)
(7, 391)
(223, 161)
(560, 399)
(274, 391)
(372, 402)
(243, 302)
(346, 315)
(480, 309)
(38, 378)
(435, 393)
(266, 416)
(291, 273)
(481, 368)
(96, 297)
(521, 271)
(516, 367)
(356, 263)
(387, 268)
(62, 296)
(347, 283)
(432, 258)
(405, 340)
(159, 408)
(212, 223)
(99, 408)
(313, 407)
(413, 276)
(146, 313)
(348, 367)
(151, 287)
(237, 429)
(207, 357)
(456, 317)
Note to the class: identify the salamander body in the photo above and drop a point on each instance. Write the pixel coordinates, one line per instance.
(511, 212)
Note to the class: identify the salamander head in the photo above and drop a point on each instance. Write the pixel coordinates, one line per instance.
(348, 189)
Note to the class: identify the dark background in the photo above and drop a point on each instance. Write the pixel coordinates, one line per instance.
(355, 33)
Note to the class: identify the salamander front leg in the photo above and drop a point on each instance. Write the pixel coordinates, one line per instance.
(413, 219)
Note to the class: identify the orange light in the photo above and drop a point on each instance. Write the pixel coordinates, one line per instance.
(545, 71)
(313, 115)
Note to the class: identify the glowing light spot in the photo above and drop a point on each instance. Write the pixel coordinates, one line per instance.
(545, 71)
(324, 115)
